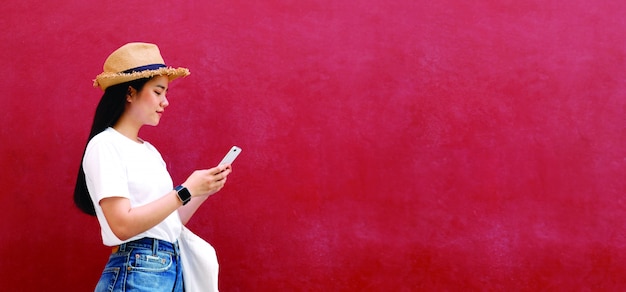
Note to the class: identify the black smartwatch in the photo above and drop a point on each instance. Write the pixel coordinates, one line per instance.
(183, 194)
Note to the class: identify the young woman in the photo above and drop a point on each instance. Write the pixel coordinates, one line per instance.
(124, 182)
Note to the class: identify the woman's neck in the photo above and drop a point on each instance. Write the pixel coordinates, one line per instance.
(128, 129)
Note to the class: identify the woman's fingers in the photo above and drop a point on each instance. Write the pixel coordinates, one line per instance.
(219, 169)
(208, 181)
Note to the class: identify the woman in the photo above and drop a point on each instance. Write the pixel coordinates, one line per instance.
(123, 179)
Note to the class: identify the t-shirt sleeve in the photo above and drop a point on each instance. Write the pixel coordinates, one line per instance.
(105, 172)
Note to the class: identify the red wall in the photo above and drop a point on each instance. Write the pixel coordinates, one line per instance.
(388, 145)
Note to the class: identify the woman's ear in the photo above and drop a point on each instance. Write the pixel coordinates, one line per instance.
(130, 93)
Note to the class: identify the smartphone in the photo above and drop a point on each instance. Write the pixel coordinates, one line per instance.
(231, 155)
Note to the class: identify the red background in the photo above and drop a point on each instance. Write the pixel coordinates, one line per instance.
(388, 145)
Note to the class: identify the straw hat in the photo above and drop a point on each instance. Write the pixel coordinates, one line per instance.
(134, 61)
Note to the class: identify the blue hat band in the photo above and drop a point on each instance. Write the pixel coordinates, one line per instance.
(144, 68)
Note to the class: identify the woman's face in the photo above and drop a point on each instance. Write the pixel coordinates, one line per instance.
(146, 106)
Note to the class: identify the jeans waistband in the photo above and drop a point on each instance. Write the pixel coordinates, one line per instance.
(149, 243)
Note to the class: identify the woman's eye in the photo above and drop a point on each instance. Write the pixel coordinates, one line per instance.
(158, 93)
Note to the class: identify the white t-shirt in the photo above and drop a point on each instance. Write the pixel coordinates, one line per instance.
(116, 166)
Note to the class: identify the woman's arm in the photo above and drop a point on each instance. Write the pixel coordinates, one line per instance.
(185, 212)
(219, 175)
(126, 222)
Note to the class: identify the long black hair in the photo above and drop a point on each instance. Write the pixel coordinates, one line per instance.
(108, 112)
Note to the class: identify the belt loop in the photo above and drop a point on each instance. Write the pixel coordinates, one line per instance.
(122, 247)
(155, 246)
(176, 248)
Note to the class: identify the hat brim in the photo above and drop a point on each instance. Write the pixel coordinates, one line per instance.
(106, 79)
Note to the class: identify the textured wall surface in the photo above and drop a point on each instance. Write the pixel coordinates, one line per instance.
(388, 145)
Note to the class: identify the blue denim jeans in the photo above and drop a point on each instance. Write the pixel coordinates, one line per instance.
(146, 264)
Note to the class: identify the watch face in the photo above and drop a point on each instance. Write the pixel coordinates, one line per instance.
(183, 194)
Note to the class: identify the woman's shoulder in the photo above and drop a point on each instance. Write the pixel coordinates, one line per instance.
(107, 139)
(103, 137)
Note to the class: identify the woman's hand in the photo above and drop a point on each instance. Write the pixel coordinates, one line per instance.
(201, 184)
(206, 182)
